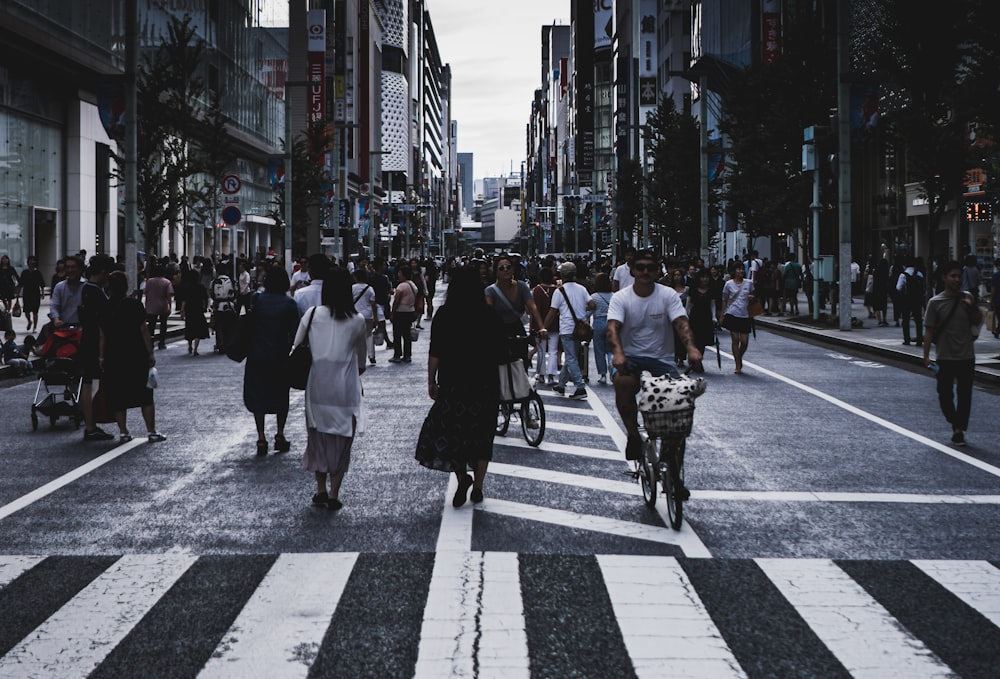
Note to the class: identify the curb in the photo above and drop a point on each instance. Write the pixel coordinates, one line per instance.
(982, 374)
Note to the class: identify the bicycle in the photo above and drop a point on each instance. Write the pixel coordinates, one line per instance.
(529, 411)
(662, 462)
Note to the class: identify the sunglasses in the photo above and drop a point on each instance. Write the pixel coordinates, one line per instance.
(647, 268)
(503, 267)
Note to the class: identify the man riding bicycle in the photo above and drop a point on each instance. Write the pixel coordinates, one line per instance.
(640, 317)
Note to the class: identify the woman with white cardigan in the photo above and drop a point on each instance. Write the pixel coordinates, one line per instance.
(333, 404)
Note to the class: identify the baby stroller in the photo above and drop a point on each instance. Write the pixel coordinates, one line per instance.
(58, 391)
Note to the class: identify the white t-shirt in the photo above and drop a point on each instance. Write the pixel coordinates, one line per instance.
(739, 297)
(623, 274)
(578, 297)
(647, 322)
(300, 279)
(363, 305)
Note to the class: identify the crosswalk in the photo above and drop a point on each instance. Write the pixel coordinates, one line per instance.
(493, 614)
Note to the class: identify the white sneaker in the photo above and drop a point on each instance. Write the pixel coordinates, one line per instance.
(602, 380)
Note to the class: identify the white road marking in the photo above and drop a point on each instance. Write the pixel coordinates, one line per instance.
(81, 634)
(11, 567)
(977, 583)
(866, 639)
(562, 426)
(685, 539)
(666, 629)
(69, 477)
(562, 448)
(549, 408)
(836, 496)
(891, 426)
(279, 631)
(566, 479)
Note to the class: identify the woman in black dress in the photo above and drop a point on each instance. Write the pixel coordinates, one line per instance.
(9, 282)
(194, 304)
(265, 377)
(32, 289)
(126, 357)
(700, 307)
(467, 345)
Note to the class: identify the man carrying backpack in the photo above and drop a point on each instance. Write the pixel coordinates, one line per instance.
(913, 288)
(223, 309)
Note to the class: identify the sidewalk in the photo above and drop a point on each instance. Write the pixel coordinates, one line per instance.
(886, 342)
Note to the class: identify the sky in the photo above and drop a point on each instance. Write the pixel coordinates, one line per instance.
(495, 53)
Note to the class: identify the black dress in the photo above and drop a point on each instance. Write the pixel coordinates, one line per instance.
(126, 356)
(265, 377)
(32, 286)
(195, 306)
(700, 318)
(458, 431)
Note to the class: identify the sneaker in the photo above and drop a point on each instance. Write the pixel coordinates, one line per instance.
(155, 437)
(97, 435)
(371, 359)
(579, 395)
(559, 389)
(633, 448)
(395, 360)
(407, 359)
(124, 438)
(602, 380)
(681, 492)
(958, 438)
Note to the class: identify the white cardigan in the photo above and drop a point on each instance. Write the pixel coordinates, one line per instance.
(333, 399)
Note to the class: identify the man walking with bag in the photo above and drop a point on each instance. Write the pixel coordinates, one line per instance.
(951, 323)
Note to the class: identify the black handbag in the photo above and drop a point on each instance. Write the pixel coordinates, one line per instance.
(239, 337)
(301, 359)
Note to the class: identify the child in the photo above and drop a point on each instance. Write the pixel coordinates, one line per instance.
(17, 356)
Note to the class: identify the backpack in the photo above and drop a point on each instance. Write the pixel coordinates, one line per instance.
(914, 289)
(223, 289)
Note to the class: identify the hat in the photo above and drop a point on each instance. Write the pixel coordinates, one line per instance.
(567, 269)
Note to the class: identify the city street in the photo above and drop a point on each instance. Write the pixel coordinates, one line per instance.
(832, 530)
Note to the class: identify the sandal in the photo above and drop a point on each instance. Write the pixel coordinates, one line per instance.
(261, 448)
(281, 444)
(320, 499)
(334, 504)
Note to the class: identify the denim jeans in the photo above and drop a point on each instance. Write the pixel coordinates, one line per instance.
(571, 366)
(602, 360)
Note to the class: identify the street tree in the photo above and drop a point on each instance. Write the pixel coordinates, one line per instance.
(673, 186)
(627, 199)
(310, 181)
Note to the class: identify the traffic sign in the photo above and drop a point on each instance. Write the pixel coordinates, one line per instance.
(232, 215)
(231, 184)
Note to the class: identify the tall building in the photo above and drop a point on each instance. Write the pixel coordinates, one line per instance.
(466, 180)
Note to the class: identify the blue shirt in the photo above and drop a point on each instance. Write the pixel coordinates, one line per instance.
(66, 300)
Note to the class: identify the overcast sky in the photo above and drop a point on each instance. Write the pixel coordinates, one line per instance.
(495, 53)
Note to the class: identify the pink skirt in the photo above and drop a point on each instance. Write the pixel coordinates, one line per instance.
(327, 453)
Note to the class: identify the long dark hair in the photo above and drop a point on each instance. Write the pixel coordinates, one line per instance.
(466, 290)
(336, 295)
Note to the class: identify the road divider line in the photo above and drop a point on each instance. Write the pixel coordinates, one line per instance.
(279, 631)
(891, 426)
(685, 539)
(67, 478)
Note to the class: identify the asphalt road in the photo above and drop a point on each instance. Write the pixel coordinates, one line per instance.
(821, 481)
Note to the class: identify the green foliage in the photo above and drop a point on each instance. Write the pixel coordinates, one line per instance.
(674, 180)
(628, 199)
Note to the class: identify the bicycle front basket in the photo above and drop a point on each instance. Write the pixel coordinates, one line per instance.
(673, 423)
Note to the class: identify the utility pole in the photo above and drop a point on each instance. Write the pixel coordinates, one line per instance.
(844, 158)
(131, 138)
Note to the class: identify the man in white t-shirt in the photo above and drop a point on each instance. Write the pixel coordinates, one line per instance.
(576, 296)
(300, 278)
(641, 321)
(363, 295)
(622, 277)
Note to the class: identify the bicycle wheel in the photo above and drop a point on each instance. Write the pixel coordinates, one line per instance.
(503, 418)
(646, 466)
(533, 419)
(670, 475)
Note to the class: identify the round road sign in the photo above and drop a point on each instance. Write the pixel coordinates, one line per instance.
(231, 184)
(231, 215)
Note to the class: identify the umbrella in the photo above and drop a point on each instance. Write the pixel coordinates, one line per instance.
(718, 351)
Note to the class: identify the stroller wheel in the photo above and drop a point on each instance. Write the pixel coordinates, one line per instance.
(34, 421)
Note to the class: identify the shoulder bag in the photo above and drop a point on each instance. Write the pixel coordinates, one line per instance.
(582, 330)
(300, 360)
(239, 337)
(754, 306)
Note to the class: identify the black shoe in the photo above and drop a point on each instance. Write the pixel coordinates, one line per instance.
(281, 444)
(372, 360)
(579, 395)
(906, 342)
(97, 434)
(958, 438)
(460, 494)
(477, 495)
(633, 448)
(334, 504)
(320, 499)
(559, 389)
(407, 359)
(395, 360)
(681, 492)
(261, 448)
